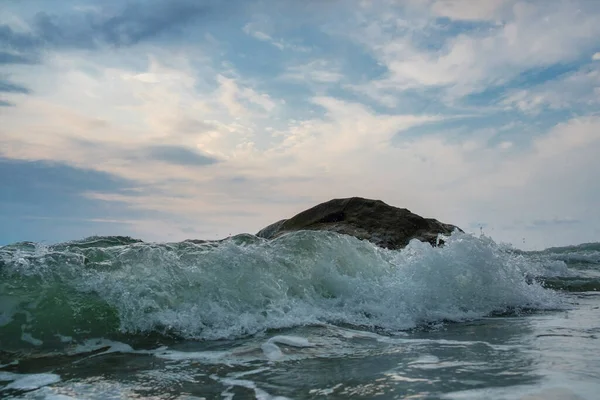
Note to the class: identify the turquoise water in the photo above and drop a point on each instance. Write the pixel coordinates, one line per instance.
(309, 315)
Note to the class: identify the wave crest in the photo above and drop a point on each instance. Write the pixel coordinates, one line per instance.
(245, 285)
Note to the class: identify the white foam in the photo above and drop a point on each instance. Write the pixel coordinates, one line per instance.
(246, 373)
(325, 391)
(403, 338)
(33, 381)
(425, 359)
(259, 394)
(274, 353)
(15, 362)
(97, 343)
(64, 339)
(190, 397)
(527, 393)
(47, 393)
(5, 318)
(294, 341)
(26, 337)
(212, 357)
(553, 394)
(245, 285)
(8, 376)
(92, 345)
(348, 333)
(58, 397)
(394, 376)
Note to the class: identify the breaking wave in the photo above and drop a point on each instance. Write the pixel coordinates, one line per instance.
(104, 286)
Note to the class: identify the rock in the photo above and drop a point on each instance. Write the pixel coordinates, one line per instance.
(373, 220)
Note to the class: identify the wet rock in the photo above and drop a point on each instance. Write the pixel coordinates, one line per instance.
(373, 220)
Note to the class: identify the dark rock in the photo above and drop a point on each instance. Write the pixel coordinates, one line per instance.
(373, 220)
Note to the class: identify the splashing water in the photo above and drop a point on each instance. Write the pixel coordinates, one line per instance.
(245, 285)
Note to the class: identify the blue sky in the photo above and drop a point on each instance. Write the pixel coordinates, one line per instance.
(167, 120)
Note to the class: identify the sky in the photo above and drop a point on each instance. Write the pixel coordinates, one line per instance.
(174, 119)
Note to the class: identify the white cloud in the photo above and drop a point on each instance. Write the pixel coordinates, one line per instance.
(533, 35)
(532, 101)
(347, 152)
(261, 99)
(469, 10)
(232, 96)
(575, 89)
(319, 71)
(566, 137)
(229, 96)
(251, 29)
(248, 30)
(111, 113)
(596, 57)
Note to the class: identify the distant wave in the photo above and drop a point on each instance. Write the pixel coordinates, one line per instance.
(587, 253)
(244, 285)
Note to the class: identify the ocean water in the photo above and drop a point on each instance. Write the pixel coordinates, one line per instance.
(309, 315)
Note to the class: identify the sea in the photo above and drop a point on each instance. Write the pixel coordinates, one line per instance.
(309, 315)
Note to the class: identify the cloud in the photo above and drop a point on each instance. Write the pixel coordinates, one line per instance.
(48, 179)
(177, 155)
(505, 145)
(472, 60)
(469, 10)
(251, 29)
(578, 88)
(596, 57)
(574, 134)
(12, 58)
(236, 98)
(151, 131)
(319, 71)
(34, 189)
(554, 222)
(161, 128)
(554, 177)
(50, 201)
(20, 41)
(9, 87)
(4, 103)
(134, 23)
(92, 27)
(188, 125)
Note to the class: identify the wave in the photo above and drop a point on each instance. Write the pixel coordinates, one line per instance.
(572, 284)
(103, 286)
(586, 255)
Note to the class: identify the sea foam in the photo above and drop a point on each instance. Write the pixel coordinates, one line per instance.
(246, 285)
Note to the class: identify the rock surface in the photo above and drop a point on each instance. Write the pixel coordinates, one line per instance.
(373, 220)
